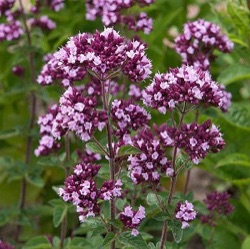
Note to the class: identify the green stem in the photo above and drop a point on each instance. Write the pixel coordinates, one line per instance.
(173, 181)
(32, 105)
(65, 219)
(111, 159)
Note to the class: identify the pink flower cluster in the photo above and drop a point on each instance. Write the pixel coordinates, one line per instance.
(94, 87)
(185, 213)
(135, 92)
(88, 156)
(110, 13)
(132, 219)
(81, 190)
(43, 22)
(55, 5)
(126, 115)
(47, 142)
(105, 53)
(199, 40)
(197, 140)
(10, 31)
(6, 5)
(52, 72)
(140, 22)
(4, 245)
(217, 204)
(186, 84)
(78, 114)
(147, 166)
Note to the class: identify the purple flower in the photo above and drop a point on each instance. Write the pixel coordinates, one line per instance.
(6, 5)
(78, 114)
(81, 189)
(105, 54)
(128, 116)
(185, 213)
(4, 245)
(147, 166)
(88, 156)
(18, 71)
(111, 13)
(217, 204)
(135, 92)
(52, 72)
(132, 219)
(10, 31)
(197, 140)
(199, 40)
(43, 22)
(47, 142)
(186, 84)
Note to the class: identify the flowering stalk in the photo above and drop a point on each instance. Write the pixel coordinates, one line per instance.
(32, 104)
(173, 183)
(64, 222)
(111, 155)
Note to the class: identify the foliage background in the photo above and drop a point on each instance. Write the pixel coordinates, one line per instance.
(231, 167)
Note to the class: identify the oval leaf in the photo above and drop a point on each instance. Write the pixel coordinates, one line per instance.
(94, 147)
(128, 150)
(58, 215)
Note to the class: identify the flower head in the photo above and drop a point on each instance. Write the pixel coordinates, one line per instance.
(132, 219)
(186, 84)
(199, 40)
(185, 213)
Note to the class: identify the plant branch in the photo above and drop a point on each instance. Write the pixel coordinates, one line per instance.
(100, 146)
(66, 167)
(111, 158)
(173, 180)
(32, 104)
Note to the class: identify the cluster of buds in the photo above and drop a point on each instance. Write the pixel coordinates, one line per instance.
(105, 54)
(186, 84)
(51, 72)
(147, 166)
(10, 31)
(135, 92)
(78, 114)
(217, 204)
(6, 5)
(94, 87)
(81, 189)
(55, 5)
(110, 13)
(197, 140)
(132, 219)
(199, 40)
(47, 143)
(42, 22)
(126, 115)
(88, 156)
(185, 213)
(4, 245)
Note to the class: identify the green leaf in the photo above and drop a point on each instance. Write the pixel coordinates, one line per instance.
(128, 150)
(236, 159)
(152, 199)
(9, 133)
(161, 216)
(108, 238)
(177, 232)
(239, 16)
(246, 243)
(38, 243)
(58, 214)
(6, 215)
(238, 115)
(234, 73)
(136, 241)
(35, 180)
(99, 230)
(95, 148)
